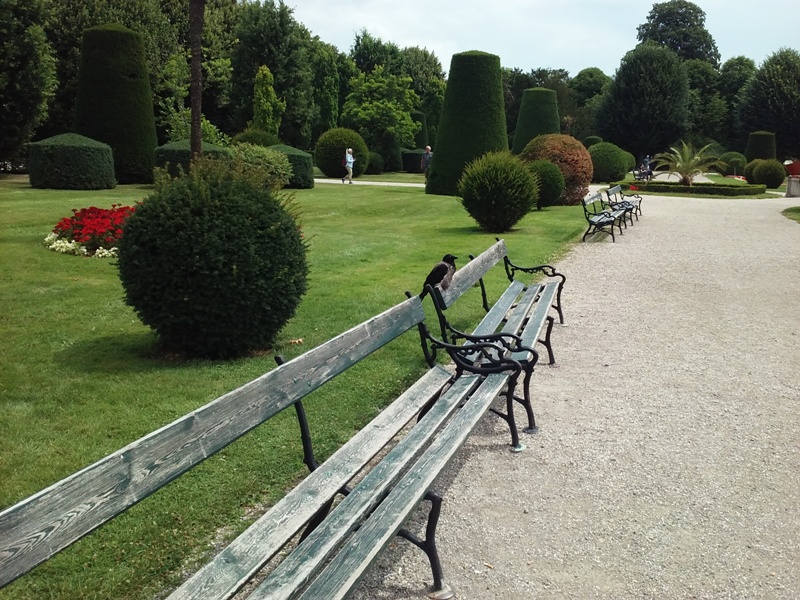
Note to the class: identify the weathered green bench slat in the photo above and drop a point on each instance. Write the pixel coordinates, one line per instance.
(491, 321)
(469, 274)
(537, 318)
(318, 547)
(522, 309)
(239, 561)
(45, 523)
(350, 564)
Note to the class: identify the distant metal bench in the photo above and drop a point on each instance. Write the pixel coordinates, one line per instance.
(639, 175)
(397, 456)
(601, 217)
(619, 199)
(505, 338)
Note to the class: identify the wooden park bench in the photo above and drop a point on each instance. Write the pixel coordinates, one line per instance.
(504, 340)
(642, 175)
(315, 549)
(619, 199)
(601, 217)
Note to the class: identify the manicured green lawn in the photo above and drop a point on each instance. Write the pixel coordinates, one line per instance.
(792, 213)
(82, 377)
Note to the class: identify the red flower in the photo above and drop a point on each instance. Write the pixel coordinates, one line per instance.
(94, 227)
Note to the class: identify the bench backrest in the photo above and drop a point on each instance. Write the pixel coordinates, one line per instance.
(593, 204)
(614, 191)
(470, 274)
(43, 524)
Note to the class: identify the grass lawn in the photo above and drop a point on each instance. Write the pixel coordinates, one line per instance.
(82, 377)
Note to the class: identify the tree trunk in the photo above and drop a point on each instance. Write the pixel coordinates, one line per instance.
(196, 17)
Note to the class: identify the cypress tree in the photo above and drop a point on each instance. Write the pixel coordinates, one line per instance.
(538, 114)
(473, 120)
(114, 103)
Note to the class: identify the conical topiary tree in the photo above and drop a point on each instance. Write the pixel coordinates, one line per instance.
(760, 144)
(538, 114)
(472, 121)
(114, 103)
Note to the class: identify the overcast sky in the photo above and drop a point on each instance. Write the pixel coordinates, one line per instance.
(571, 35)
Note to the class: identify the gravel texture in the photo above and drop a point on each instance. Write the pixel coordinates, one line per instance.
(667, 464)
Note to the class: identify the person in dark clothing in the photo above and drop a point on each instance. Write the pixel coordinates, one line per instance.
(441, 274)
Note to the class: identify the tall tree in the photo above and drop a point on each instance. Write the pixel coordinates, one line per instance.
(708, 112)
(587, 84)
(27, 73)
(196, 15)
(427, 81)
(323, 59)
(770, 101)
(645, 108)
(680, 26)
(369, 52)
(733, 75)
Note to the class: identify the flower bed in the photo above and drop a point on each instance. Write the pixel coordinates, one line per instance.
(89, 231)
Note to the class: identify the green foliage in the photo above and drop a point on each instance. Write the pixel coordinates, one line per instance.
(750, 169)
(770, 101)
(587, 84)
(268, 109)
(646, 105)
(591, 140)
(179, 128)
(686, 161)
(538, 114)
(71, 162)
(428, 82)
(421, 137)
(770, 172)
(256, 136)
(325, 89)
(733, 75)
(114, 103)
(379, 108)
(472, 122)
(630, 160)
(697, 189)
(734, 163)
(412, 160)
(375, 166)
(680, 26)
(551, 182)
(497, 190)
(570, 156)
(213, 264)
(369, 52)
(760, 144)
(27, 74)
(302, 166)
(708, 112)
(331, 147)
(608, 162)
(273, 165)
(175, 157)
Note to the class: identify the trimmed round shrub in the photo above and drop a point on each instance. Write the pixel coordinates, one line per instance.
(114, 103)
(392, 156)
(592, 140)
(538, 114)
(770, 172)
(412, 160)
(331, 147)
(760, 144)
(375, 166)
(735, 163)
(551, 182)
(421, 137)
(569, 155)
(750, 168)
(302, 167)
(497, 190)
(176, 156)
(608, 162)
(71, 162)
(630, 161)
(472, 122)
(255, 136)
(214, 264)
(273, 165)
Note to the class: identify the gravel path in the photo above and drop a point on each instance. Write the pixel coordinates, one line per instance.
(668, 461)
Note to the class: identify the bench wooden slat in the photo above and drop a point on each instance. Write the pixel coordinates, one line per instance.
(316, 549)
(239, 561)
(491, 321)
(351, 563)
(45, 523)
(469, 274)
(520, 312)
(537, 319)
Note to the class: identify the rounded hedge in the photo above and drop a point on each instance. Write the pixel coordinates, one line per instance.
(302, 167)
(608, 162)
(538, 114)
(273, 165)
(472, 122)
(735, 163)
(497, 190)
(176, 156)
(749, 170)
(331, 147)
(412, 160)
(592, 140)
(114, 102)
(215, 266)
(760, 144)
(569, 155)
(375, 166)
(255, 136)
(770, 172)
(630, 160)
(71, 162)
(551, 182)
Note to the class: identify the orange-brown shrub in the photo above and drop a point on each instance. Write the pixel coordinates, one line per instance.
(570, 156)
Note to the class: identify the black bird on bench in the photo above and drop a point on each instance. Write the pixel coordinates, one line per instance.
(441, 274)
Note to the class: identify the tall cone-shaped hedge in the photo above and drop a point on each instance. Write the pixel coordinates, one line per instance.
(114, 103)
(538, 114)
(473, 120)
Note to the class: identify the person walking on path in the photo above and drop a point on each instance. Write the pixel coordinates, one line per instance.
(349, 159)
(425, 163)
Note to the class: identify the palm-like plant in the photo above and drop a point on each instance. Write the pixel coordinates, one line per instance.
(687, 162)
